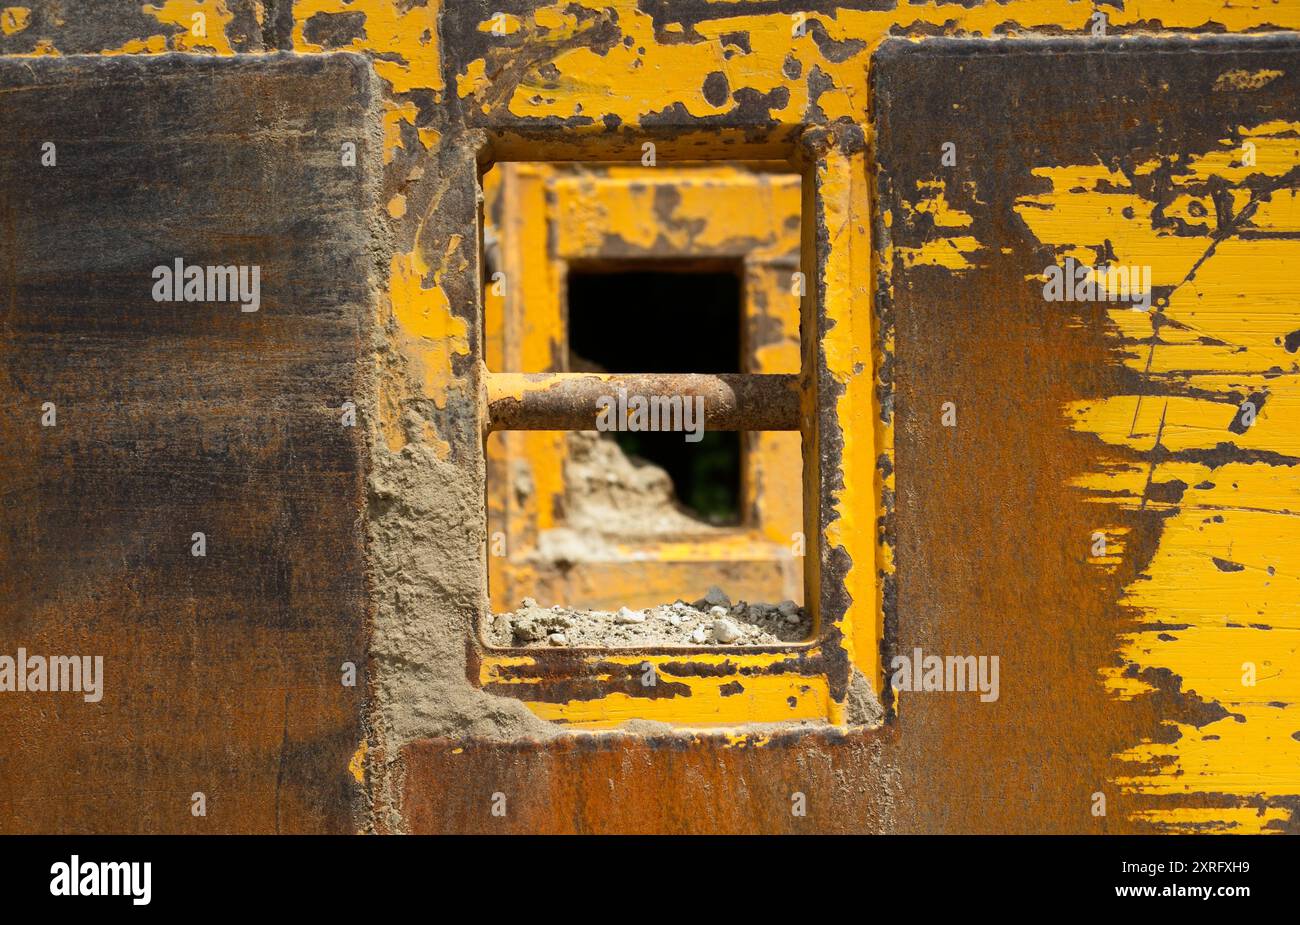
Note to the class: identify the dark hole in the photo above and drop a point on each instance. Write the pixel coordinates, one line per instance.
(666, 318)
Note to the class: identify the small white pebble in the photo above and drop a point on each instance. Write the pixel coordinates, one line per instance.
(625, 615)
(558, 639)
(700, 636)
(718, 611)
(725, 631)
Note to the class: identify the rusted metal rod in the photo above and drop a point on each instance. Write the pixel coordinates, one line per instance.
(575, 401)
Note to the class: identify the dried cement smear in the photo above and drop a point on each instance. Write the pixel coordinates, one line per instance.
(710, 621)
(427, 534)
(862, 706)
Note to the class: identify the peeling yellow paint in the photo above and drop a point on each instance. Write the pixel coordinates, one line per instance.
(1226, 572)
(637, 68)
(153, 45)
(202, 24)
(394, 115)
(357, 764)
(500, 24)
(424, 317)
(1245, 80)
(712, 206)
(847, 345)
(403, 37)
(764, 698)
(952, 253)
(14, 19)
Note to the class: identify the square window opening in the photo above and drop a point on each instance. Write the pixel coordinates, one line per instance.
(690, 315)
(635, 539)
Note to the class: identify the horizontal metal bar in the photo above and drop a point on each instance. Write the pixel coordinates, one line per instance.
(574, 401)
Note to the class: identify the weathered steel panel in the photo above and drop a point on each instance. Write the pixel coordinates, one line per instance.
(222, 672)
(1101, 416)
(1124, 407)
(657, 781)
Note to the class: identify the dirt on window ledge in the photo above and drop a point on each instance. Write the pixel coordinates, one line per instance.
(713, 620)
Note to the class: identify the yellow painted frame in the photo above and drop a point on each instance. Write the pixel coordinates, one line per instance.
(803, 682)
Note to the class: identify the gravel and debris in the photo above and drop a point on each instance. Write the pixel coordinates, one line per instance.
(710, 621)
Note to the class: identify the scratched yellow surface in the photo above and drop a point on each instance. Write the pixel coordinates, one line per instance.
(1233, 304)
(1258, 503)
(14, 19)
(948, 247)
(765, 698)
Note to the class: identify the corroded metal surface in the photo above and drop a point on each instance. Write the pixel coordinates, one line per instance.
(1117, 679)
(222, 671)
(579, 401)
(756, 782)
(1096, 513)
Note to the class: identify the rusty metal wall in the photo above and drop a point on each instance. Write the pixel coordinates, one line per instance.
(1123, 673)
(221, 671)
